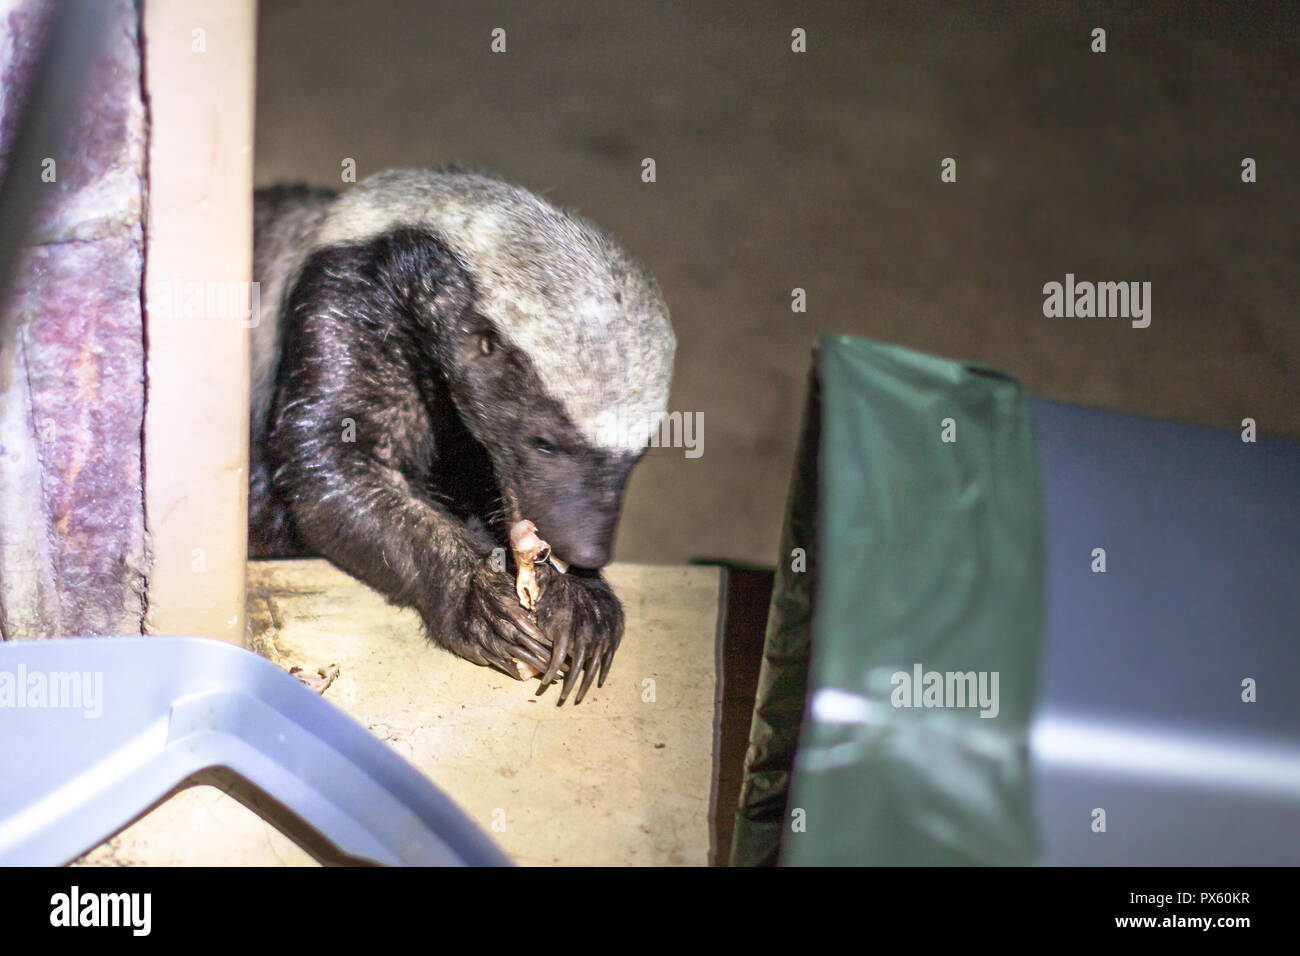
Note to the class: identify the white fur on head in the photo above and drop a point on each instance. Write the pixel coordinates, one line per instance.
(591, 319)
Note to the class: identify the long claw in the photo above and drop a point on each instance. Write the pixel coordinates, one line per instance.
(540, 651)
(558, 650)
(510, 643)
(571, 678)
(586, 682)
(605, 660)
(525, 639)
(529, 658)
(521, 619)
(495, 660)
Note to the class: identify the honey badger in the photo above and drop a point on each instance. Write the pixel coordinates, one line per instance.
(439, 355)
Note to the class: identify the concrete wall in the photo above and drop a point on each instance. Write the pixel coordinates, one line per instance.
(123, 411)
(73, 552)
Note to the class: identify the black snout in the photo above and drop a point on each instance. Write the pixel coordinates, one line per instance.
(584, 555)
(575, 503)
(584, 537)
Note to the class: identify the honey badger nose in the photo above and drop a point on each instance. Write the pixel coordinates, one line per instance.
(579, 519)
(586, 541)
(584, 554)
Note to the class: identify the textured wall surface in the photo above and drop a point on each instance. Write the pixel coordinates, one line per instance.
(73, 554)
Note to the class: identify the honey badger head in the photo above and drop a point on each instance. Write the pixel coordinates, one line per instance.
(560, 363)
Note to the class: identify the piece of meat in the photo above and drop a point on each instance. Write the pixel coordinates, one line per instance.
(528, 548)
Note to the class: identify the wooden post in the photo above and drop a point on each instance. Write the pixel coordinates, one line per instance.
(199, 78)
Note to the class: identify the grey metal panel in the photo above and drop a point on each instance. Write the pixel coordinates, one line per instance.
(1140, 704)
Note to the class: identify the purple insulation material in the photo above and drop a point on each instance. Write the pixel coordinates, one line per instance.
(73, 554)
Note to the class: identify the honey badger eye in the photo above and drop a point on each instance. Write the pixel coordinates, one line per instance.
(542, 445)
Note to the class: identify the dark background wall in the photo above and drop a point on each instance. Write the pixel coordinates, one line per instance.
(821, 171)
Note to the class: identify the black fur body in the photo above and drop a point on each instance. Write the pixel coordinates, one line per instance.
(416, 391)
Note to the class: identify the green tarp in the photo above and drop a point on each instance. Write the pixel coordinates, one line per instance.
(905, 625)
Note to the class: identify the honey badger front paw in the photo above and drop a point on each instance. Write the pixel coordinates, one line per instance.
(583, 621)
(491, 628)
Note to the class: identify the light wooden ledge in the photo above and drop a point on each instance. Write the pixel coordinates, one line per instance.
(622, 779)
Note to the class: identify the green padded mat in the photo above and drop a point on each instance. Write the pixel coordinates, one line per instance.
(916, 502)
